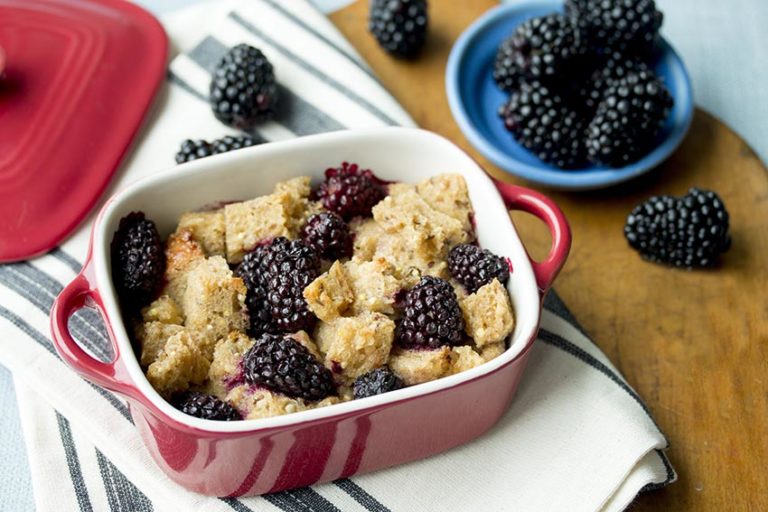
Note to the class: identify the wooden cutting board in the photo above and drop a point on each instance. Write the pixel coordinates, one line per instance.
(693, 344)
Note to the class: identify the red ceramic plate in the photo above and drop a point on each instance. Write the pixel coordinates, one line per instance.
(79, 78)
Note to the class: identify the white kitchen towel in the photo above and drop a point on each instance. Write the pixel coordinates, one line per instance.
(577, 437)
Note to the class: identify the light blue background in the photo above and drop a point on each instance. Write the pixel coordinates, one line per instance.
(724, 45)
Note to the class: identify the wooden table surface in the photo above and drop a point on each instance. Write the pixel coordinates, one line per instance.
(693, 344)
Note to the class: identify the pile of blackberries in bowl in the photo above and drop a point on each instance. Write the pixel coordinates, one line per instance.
(582, 87)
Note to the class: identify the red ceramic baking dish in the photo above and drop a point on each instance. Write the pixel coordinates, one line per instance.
(267, 455)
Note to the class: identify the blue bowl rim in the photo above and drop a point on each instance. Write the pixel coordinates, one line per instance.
(582, 179)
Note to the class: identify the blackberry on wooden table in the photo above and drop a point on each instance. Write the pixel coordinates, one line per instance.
(399, 26)
(688, 231)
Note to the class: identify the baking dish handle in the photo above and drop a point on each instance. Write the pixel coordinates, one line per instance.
(80, 293)
(530, 201)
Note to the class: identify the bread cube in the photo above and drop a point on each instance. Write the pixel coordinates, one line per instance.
(488, 314)
(373, 285)
(416, 235)
(294, 194)
(214, 303)
(182, 254)
(207, 229)
(493, 350)
(448, 194)
(179, 364)
(409, 211)
(417, 366)
(356, 344)
(152, 337)
(366, 234)
(303, 338)
(252, 222)
(330, 295)
(464, 358)
(163, 309)
(410, 258)
(256, 403)
(225, 368)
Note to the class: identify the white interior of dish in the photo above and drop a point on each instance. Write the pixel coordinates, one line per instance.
(397, 154)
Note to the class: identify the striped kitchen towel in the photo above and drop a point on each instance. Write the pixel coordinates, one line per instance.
(576, 438)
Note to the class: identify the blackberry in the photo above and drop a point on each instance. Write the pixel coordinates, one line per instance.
(543, 123)
(283, 365)
(193, 150)
(431, 317)
(474, 267)
(207, 407)
(196, 149)
(628, 120)
(243, 90)
(689, 231)
(259, 311)
(612, 69)
(542, 48)
(376, 382)
(329, 235)
(138, 258)
(627, 26)
(289, 267)
(350, 191)
(400, 26)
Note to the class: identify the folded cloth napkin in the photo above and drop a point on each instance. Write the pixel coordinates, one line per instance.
(576, 438)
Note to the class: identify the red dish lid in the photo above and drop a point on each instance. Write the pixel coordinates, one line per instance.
(80, 76)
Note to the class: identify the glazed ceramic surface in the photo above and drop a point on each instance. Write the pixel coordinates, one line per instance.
(267, 455)
(76, 81)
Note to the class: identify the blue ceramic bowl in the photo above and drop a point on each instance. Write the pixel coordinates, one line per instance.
(474, 99)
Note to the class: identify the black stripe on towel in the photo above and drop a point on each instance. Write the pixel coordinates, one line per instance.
(653, 486)
(360, 495)
(299, 116)
(122, 494)
(558, 341)
(555, 304)
(44, 342)
(296, 500)
(313, 70)
(40, 289)
(73, 463)
(308, 28)
(66, 259)
(176, 79)
(236, 505)
(305, 499)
